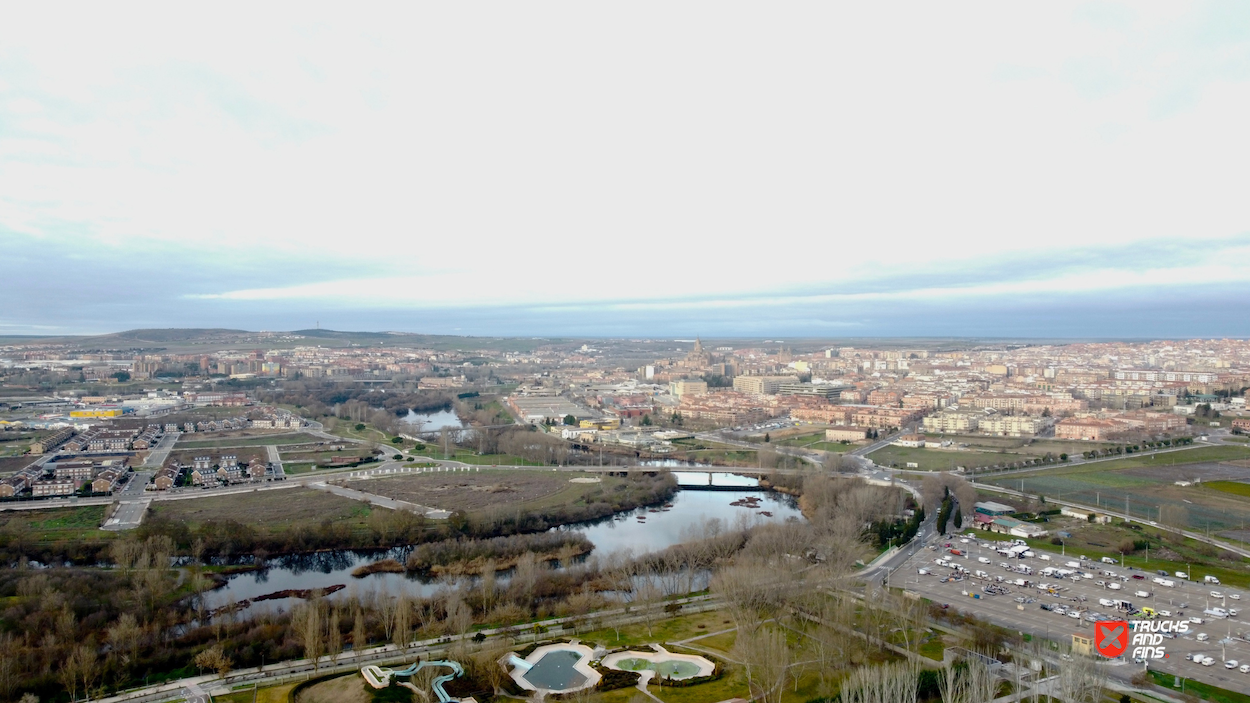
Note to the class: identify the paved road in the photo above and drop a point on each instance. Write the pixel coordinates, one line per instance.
(135, 487)
(156, 458)
(1031, 619)
(275, 459)
(129, 515)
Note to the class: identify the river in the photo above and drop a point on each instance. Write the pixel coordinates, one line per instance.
(432, 422)
(620, 533)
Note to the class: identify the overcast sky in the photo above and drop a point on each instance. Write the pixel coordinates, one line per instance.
(643, 168)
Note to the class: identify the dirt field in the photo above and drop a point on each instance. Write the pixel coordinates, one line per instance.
(344, 689)
(476, 490)
(241, 439)
(245, 454)
(272, 511)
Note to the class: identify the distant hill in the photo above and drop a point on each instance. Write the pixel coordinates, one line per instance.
(354, 336)
(171, 335)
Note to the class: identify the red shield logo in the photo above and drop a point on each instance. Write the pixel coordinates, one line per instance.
(1111, 637)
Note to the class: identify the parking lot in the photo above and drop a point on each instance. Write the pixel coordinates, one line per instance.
(1000, 602)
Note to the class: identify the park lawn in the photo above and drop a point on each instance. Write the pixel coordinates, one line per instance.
(666, 629)
(275, 439)
(732, 685)
(723, 642)
(1235, 487)
(471, 457)
(1206, 692)
(835, 447)
(52, 524)
(802, 440)
(933, 649)
(297, 467)
(726, 456)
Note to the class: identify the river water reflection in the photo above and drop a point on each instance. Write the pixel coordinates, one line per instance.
(623, 532)
(432, 422)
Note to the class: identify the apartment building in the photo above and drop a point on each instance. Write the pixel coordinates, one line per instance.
(52, 441)
(42, 488)
(953, 422)
(166, 478)
(845, 433)
(884, 397)
(1086, 428)
(880, 418)
(814, 390)
(1011, 425)
(687, 387)
(762, 385)
(107, 481)
(829, 415)
(12, 485)
(78, 470)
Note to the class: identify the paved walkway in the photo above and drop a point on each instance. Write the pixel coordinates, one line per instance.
(374, 499)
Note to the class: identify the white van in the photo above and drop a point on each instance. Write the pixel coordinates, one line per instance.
(983, 560)
(1142, 594)
(1202, 637)
(1211, 579)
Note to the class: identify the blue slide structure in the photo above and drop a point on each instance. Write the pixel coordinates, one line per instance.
(382, 676)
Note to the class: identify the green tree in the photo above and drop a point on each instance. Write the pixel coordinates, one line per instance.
(570, 420)
(121, 376)
(767, 438)
(646, 420)
(360, 426)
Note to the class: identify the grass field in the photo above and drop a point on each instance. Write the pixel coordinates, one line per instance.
(1148, 484)
(278, 439)
(667, 629)
(272, 694)
(268, 511)
(1234, 487)
(475, 490)
(936, 459)
(55, 523)
(1203, 691)
(802, 440)
(1023, 446)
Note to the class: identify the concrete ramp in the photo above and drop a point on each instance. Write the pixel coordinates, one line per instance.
(128, 516)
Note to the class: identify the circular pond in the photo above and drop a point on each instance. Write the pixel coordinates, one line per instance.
(665, 664)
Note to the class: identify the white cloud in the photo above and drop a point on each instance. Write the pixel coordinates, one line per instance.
(635, 153)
